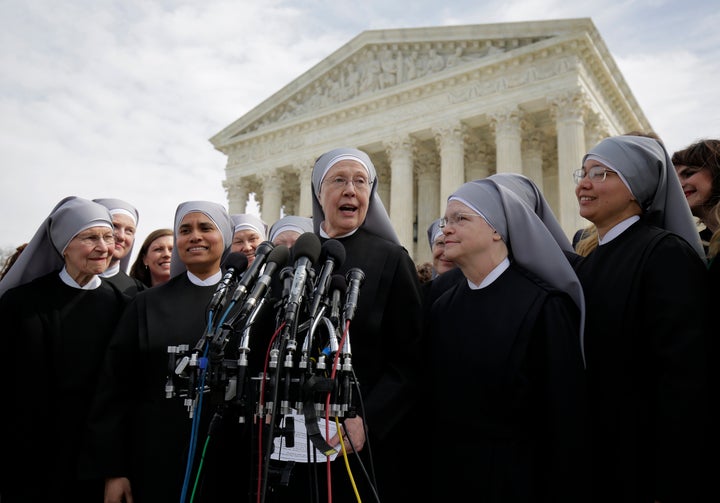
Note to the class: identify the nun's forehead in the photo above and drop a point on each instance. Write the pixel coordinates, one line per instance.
(345, 162)
(204, 215)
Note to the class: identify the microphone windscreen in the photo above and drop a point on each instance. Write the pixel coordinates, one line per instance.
(307, 245)
(333, 249)
(279, 255)
(337, 282)
(264, 248)
(237, 261)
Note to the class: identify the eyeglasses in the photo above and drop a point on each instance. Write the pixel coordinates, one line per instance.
(595, 174)
(339, 182)
(457, 220)
(93, 240)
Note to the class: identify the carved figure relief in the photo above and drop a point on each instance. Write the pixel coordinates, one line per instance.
(381, 66)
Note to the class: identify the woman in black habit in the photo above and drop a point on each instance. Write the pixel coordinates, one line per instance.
(58, 317)
(384, 333)
(139, 437)
(647, 305)
(505, 364)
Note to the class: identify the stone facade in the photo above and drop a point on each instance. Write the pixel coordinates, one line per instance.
(435, 107)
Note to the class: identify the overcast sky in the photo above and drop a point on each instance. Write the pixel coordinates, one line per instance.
(102, 98)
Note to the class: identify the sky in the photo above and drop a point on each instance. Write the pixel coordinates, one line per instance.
(103, 98)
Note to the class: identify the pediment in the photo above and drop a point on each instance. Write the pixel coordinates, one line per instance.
(386, 61)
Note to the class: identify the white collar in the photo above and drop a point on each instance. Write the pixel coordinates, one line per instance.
(210, 281)
(94, 283)
(494, 274)
(111, 271)
(617, 230)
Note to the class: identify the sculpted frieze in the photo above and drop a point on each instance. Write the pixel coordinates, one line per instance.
(382, 66)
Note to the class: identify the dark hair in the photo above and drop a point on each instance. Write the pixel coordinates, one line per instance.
(138, 269)
(424, 271)
(703, 154)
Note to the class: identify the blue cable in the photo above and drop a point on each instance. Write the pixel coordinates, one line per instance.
(196, 420)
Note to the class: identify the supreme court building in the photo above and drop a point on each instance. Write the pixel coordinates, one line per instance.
(436, 107)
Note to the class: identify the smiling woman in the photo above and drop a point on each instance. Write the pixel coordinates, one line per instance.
(646, 355)
(141, 440)
(55, 309)
(698, 168)
(152, 265)
(125, 220)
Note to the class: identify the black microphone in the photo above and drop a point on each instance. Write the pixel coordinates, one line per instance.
(338, 287)
(248, 278)
(355, 278)
(333, 253)
(278, 258)
(235, 263)
(306, 250)
(286, 276)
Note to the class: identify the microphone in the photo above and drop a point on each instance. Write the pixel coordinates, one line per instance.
(338, 287)
(307, 250)
(277, 258)
(235, 263)
(355, 278)
(286, 276)
(248, 278)
(333, 253)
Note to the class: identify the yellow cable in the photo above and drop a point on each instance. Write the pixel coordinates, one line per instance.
(345, 458)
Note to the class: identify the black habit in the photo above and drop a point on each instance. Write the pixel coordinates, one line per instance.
(646, 298)
(53, 341)
(507, 393)
(127, 284)
(384, 334)
(139, 433)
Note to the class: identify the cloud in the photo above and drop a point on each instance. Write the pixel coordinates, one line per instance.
(104, 98)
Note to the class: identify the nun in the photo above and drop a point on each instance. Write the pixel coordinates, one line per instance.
(141, 440)
(385, 330)
(248, 232)
(58, 317)
(647, 295)
(506, 370)
(286, 230)
(436, 241)
(125, 220)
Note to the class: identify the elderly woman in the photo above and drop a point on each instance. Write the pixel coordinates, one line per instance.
(125, 220)
(248, 232)
(505, 361)
(58, 317)
(385, 330)
(646, 295)
(140, 438)
(286, 230)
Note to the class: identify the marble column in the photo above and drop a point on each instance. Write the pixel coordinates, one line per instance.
(450, 140)
(533, 158)
(508, 140)
(304, 172)
(478, 160)
(568, 110)
(428, 202)
(400, 153)
(237, 194)
(272, 197)
(384, 179)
